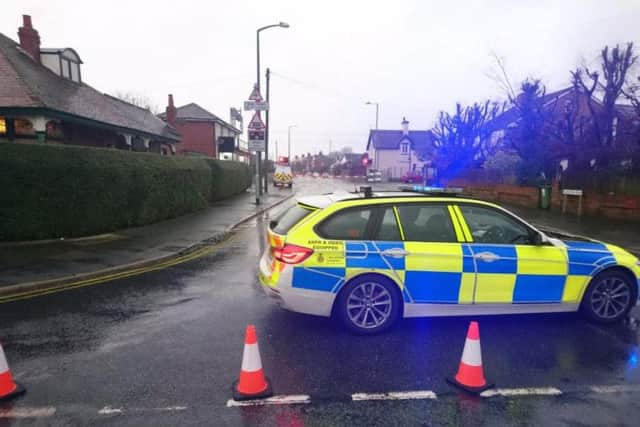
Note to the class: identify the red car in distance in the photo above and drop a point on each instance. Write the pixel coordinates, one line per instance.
(411, 177)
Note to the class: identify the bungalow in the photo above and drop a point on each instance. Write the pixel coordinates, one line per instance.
(43, 98)
(396, 152)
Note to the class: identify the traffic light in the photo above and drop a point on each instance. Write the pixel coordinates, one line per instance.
(366, 161)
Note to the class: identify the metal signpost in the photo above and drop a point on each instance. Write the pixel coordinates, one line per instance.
(256, 133)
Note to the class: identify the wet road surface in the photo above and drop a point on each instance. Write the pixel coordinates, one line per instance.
(163, 348)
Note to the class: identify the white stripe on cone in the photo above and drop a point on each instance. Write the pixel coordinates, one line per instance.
(251, 361)
(4, 367)
(472, 355)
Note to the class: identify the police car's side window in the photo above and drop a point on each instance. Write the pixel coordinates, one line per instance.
(388, 229)
(490, 226)
(350, 224)
(426, 222)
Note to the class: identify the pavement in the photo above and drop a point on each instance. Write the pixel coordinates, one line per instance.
(622, 233)
(52, 261)
(163, 348)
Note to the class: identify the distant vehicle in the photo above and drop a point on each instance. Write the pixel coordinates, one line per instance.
(411, 177)
(316, 174)
(371, 258)
(325, 175)
(374, 175)
(282, 176)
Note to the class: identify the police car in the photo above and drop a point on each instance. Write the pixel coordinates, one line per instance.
(283, 176)
(371, 258)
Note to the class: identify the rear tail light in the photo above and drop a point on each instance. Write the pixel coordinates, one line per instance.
(291, 254)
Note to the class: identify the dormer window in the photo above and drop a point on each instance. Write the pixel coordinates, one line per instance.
(404, 147)
(64, 62)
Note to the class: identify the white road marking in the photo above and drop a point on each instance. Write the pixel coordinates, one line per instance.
(532, 391)
(49, 411)
(275, 400)
(108, 410)
(395, 395)
(615, 388)
(43, 412)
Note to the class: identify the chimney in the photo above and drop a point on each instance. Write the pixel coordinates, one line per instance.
(29, 38)
(405, 126)
(171, 112)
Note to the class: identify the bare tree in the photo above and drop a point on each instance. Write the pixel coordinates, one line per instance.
(461, 139)
(500, 76)
(632, 94)
(615, 65)
(139, 100)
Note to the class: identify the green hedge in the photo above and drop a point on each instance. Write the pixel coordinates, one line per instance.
(50, 191)
(228, 178)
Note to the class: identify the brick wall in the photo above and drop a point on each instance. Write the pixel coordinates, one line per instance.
(603, 205)
(197, 137)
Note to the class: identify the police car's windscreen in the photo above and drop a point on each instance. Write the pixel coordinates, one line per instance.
(289, 218)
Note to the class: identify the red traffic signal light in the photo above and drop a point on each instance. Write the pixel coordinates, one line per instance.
(365, 160)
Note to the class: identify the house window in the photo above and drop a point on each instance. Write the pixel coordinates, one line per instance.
(24, 128)
(3, 126)
(55, 130)
(66, 68)
(404, 147)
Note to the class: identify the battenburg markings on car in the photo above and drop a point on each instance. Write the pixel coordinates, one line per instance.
(370, 260)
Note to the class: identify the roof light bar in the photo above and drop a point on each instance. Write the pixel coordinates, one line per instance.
(449, 191)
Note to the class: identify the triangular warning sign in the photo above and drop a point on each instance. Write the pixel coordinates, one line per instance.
(256, 122)
(255, 95)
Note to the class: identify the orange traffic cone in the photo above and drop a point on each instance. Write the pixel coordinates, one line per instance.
(470, 376)
(252, 383)
(8, 388)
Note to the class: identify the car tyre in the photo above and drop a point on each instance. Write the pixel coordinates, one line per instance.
(369, 304)
(609, 297)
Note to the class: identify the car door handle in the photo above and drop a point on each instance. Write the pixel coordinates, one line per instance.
(487, 256)
(395, 252)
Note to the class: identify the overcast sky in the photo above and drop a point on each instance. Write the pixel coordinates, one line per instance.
(413, 57)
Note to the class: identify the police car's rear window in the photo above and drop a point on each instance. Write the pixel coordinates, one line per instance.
(289, 218)
(349, 224)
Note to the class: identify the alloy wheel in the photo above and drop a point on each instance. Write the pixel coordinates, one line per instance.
(610, 297)
(369, 305)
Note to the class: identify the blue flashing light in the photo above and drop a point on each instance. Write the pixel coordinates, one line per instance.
(434, 190)
(425, 189)
(632, 361)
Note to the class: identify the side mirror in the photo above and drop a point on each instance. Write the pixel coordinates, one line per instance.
(537, 239)
(272, 224)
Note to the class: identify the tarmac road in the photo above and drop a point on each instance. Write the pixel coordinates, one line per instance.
(163, 348)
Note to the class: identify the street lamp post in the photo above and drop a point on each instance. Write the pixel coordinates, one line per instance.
(289, 140)
(266, 152)
(377, 110)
